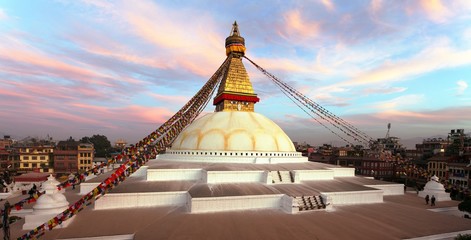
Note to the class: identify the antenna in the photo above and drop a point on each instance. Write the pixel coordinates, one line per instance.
(387, 133)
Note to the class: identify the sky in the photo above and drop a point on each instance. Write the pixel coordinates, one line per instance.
(122, 68)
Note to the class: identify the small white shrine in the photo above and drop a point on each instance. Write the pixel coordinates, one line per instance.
(435, 188)
(47, 206)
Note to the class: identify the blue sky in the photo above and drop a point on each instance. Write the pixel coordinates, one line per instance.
(121, 68)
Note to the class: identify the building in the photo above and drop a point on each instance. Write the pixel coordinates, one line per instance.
(432, 146)
(6, 142)
(390, 144)
(438, 166)
(66, 156)
(36, 158)
(120, 144)
(325, 150)
(85, 156)
(9, 159)
(459, 175)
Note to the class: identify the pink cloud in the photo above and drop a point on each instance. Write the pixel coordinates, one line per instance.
(81, 119)
(8, 93)
(328, 5)
(435, 10)
(183, 44)
(131, 113)
(174, 100)
(22, 53)
(383, 90)
(399, 102)
(297, 28)
(54, 67)
(92, 42)
(375, 6)
(434, 57)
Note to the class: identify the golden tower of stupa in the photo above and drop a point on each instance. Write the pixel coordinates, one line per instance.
(235, 92)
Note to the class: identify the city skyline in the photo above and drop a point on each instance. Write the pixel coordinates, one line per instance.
(121, 69)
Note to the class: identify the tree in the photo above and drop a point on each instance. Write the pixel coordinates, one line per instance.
(101, 144)
(465, 205)
(463, 237)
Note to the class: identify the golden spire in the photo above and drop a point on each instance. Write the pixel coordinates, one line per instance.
(235, 43)
(235, 91)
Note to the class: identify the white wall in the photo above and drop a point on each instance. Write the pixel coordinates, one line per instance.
(309, 175)
(236, 176)
(174, 174)
(354, 197)
(389, 189)
(288, 205)
(343, 172)
(111, 237)
(141, 172)
(217, 204)
(86, 187)
(151, 199)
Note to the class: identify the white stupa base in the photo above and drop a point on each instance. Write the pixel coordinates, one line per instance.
(439, 195)
(33, 221)
(233, 156)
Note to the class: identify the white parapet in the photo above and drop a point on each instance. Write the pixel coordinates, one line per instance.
(141, 172)
(21, 213)
(310, 175)
(110, 237)
(233, 203)
(288, 160)
(343, 172)
(150, 199)
(354, 197)
(5, 195)
(33, 221)
(288, 205)
(236, 176)
(86, 187)
(389, 189)
(174, 174)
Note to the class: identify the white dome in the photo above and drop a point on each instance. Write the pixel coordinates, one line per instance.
(234, 131)
(433, 184)
(51, 201)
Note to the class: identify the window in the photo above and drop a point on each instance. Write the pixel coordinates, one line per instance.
(26, 165)
(34, 165)
(42, 158)
(25, 157)
(34, 158)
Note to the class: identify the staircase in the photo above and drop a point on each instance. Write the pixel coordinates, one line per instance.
(307, 203)
(281, 177)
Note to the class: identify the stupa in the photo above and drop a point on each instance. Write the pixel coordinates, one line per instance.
(234, 132)
(48, 205)
(237, 159)
(234, 174)
(435, 188)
